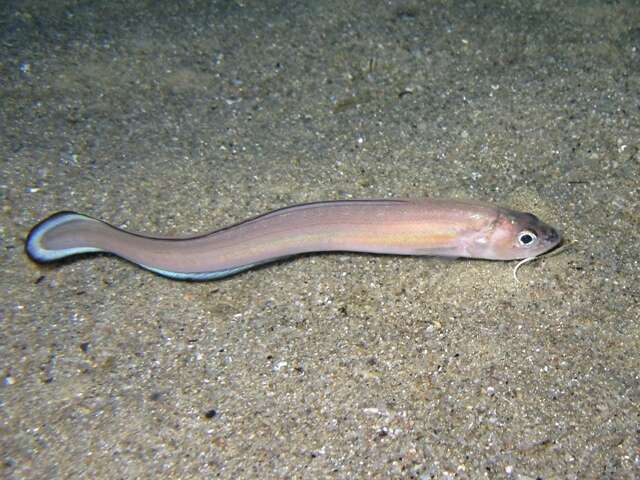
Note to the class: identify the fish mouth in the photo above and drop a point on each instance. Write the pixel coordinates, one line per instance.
(551, 238)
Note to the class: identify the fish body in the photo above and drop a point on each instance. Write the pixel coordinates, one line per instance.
(438, 227)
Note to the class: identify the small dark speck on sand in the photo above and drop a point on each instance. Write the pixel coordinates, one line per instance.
(210, 414)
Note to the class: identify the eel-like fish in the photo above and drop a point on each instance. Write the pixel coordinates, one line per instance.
(449, 228)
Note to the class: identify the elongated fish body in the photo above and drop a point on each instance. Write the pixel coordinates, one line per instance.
(450, 228)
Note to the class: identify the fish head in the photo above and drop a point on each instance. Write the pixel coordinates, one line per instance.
(517, 235)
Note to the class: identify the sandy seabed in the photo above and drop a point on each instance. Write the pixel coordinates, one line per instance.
(176, 117)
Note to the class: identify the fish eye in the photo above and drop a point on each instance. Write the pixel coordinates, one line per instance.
(526, 238)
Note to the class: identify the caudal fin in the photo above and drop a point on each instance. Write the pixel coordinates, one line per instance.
(47, 241)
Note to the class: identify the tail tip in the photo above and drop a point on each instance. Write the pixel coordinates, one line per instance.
(34, 242)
